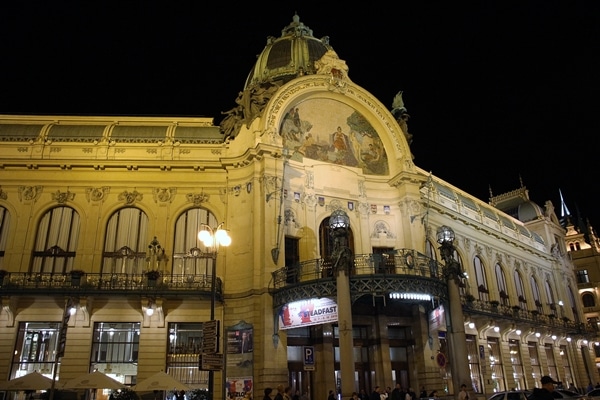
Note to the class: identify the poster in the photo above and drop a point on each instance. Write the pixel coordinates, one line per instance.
(307, 312)
(239, 388)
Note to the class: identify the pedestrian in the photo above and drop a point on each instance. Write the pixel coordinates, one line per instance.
(279, 395)
(362, 395)
(423, 394)
(463, 394)
(434, 395)
(375, 395)
(296, 395)
(397, 393)
(268, 392)
(383, 394)
(287, 393)
(545, 392)
(331, 395)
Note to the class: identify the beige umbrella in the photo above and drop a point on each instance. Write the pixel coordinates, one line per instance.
(94, 380)
(31, 381)
(160, 381)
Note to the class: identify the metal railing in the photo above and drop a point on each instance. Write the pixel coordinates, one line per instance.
(401, 262)
(49, 283)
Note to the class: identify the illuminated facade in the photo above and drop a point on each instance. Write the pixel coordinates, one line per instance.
(122, 199)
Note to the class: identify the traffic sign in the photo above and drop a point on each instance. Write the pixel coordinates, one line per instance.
(309, 358)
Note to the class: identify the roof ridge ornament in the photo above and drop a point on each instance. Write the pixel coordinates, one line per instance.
(296, 28)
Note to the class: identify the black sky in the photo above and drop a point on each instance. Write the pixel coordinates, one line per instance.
(497, 91)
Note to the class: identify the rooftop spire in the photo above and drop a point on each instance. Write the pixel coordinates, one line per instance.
(564, 211)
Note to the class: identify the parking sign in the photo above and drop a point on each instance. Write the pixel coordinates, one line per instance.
(309, 358)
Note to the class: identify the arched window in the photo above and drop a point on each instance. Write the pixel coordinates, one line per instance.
(588, 300)
(550, 297)
(501, 285)
(536, 295)
(126, 242)
(480, 279)
(572, 304)
(190, 261)
(4, 224)
(56, 241)
(520, 290)
(326, 245)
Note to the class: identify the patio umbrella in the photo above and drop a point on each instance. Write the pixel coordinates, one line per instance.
(160, 381)
(94, 380)
(31, 381)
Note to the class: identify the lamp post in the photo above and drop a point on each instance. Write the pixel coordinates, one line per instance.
(458, 340)
(213, 238)
(339, 224)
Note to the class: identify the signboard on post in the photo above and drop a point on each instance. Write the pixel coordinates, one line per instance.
(210, 337)
(211, 362)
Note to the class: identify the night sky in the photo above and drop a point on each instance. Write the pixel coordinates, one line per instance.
(497, 91)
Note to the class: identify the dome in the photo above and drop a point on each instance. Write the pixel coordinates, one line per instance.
(529, 211)
(291, 55)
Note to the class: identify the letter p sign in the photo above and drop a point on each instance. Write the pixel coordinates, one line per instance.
(309, 357)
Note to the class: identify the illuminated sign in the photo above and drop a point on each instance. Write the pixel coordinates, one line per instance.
(308, 312)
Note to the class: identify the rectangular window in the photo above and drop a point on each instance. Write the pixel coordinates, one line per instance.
(534, 359)
(552, 370)
(495, 359)
(473, 355)
(37, 343)
(582, 276)
(115, 348)
(514, 348)
(185, 346)
(568, 376)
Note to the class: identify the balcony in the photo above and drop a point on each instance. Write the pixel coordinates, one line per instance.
(187, 285)
(403, 270)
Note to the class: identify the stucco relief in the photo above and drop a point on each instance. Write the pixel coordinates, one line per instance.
(96, 194)
(382, 229)
(331, 131)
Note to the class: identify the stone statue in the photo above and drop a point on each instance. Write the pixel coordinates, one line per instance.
(401, 114)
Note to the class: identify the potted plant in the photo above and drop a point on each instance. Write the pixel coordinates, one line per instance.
(152, 276)
(76, 276)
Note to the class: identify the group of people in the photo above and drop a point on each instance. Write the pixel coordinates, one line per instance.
(399, 393)
(283, 393)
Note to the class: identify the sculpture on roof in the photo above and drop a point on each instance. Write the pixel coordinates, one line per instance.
(401, 114)
(250, 104)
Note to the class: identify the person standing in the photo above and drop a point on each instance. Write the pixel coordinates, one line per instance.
(545, 392)
(463, 394)
(268, 392)
(376, 395)
(279, 395)
(397, 393)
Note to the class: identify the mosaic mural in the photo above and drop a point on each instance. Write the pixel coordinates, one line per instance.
(331, 131)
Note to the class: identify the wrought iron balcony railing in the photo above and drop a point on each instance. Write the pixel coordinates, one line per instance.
(399, 262)
(92, 283)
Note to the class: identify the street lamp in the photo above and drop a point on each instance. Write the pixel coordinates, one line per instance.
(213, 238)
(457, 340)
(342, 258)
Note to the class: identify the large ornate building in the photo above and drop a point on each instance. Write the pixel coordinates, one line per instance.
(334, 278)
